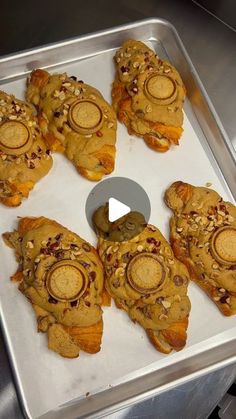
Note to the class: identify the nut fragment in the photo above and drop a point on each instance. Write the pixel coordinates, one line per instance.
(166, 304)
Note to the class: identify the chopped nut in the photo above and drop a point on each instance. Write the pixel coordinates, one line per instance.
(30, 245)
(44, 243)
(119, 272)
(77, 92)
(216, 298)
(56, 93)
(26, 272)
(88, 135)
(171, 262)
(228, 300)
(177, 298)
(163, 317)
(167, 70)
(3, 156)
(215, 266)
(208, 184)
(118, 60)
(148, 108)
(140, 248)
(179, 229)
(230, 218)
(221, 290)
(135, 64)
(197, 219)
(110, 125)
(166, 304)
(221, 213)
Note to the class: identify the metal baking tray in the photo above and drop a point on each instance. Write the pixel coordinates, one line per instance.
(127, 369)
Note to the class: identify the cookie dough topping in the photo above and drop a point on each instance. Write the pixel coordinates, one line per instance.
(15, 138)
(145, 273)
(160, 89)
(223, 245)
(66, 281)
(85, 116)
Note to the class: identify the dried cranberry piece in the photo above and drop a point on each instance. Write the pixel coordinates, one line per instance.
(92, 276)
(31, 165)
(73, 246)
(86, 247)
(178, 280)
(59, 254)
(73, 303)
(159, 300)
(52, 300)
(84, 264)
(54, 246)
(58, 237)
(33, 156)
(124, 69)
(109, 257)
(223, 299)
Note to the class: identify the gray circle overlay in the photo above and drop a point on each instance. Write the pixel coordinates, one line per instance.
(123, 189)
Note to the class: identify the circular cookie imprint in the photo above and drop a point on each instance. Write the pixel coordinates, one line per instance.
(145, 273)
(66, 281)
(85, 116)
(223, 245)
(15, 138)
(160, 89)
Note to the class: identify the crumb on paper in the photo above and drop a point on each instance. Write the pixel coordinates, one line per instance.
(208, 184)
(87, 394)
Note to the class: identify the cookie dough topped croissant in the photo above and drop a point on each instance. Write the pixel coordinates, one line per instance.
(148, 95)
(24, 157)
(150, 284)
(75, 119)
(62, 276)
(203, 236)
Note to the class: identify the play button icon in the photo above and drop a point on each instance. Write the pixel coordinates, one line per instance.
(119, 204)
(116, 209)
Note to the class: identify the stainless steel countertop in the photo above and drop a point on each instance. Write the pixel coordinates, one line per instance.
(212, 48)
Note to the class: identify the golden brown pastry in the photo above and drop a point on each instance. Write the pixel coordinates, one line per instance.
(62, 276)
(24, 157)
(76, 120)
(203, 237)
(144, 278)
(148, 95)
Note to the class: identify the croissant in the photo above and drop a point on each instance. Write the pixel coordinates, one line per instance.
(148, 96)
(150, 284)
(203, 237)
(75, 120)
(24, 157)
(62, 276)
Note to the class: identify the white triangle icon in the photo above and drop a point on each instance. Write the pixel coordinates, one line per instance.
(116, 209)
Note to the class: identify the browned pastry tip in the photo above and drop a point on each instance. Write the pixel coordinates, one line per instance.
(63, 280)
(148, 96)
(203, 237)
(145, 280)
(24, 158)
(75, 120)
